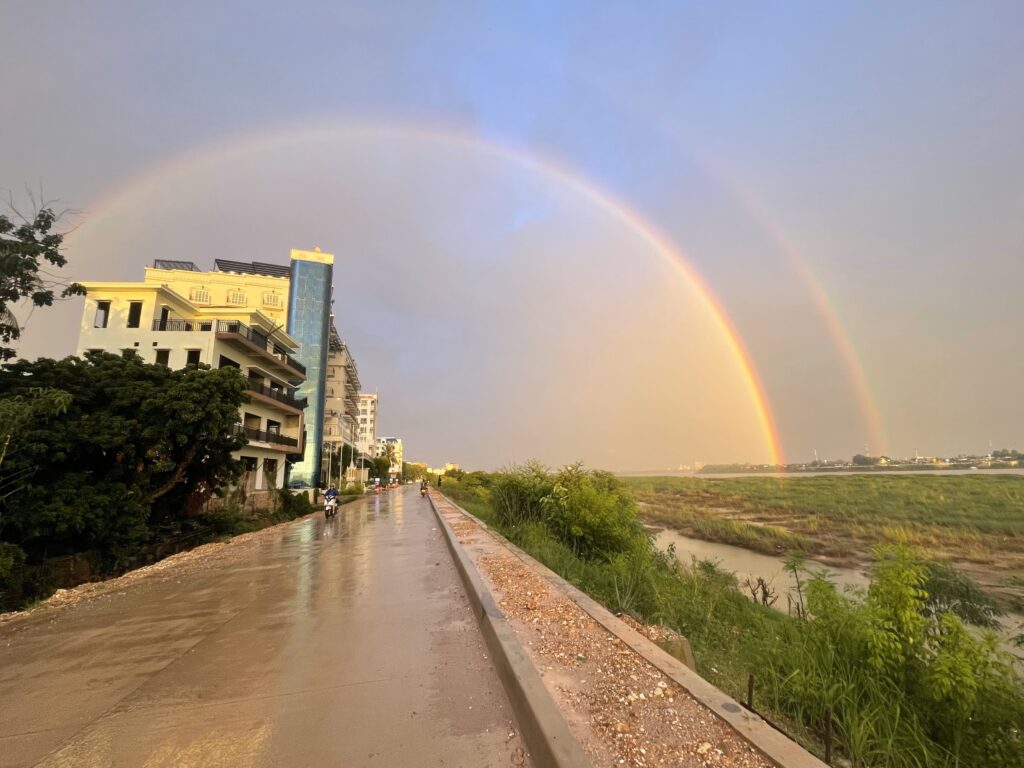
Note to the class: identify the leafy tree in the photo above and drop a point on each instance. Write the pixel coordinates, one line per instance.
(388, 452)
(26, 248)
(380, 467)
(15, 413)
(951, 591)
(137, 448)
(592, 513)
(413, 471)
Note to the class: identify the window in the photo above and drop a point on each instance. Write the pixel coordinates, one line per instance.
(193, 357)
(199, 296)
(273, 427)
(134, 314)
(271, 300)
(102, 314)
(227, 362)
(127, 354)
(163, 357)
(269, 473)
(237, 298)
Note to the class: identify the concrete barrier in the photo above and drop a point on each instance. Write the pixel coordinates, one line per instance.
(545, 731)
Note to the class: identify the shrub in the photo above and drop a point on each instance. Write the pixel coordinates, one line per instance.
(952, 591)
(293, 505)
(356, 489)
(905, 686)
(12, 560)
(227, 521)
(592, 513)
(518, 493)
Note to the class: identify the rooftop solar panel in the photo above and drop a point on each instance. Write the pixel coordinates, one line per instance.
(188, 266)
(251, 268)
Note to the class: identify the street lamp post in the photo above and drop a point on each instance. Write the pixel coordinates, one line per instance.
(329, 451)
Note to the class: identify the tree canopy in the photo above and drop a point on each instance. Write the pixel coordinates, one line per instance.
(26, 249)
(135, 450)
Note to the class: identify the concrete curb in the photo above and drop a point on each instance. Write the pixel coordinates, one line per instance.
(765, 739)
(544, 729)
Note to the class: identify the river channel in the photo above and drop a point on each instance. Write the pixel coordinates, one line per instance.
(749, 565)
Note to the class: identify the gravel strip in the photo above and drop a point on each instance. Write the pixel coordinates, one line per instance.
(621, 708)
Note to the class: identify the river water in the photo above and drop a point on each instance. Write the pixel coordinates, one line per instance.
(748, 564)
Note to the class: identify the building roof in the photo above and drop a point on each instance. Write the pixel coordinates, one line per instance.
(251, 268)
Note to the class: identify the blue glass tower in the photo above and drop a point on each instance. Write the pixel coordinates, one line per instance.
(309, 320)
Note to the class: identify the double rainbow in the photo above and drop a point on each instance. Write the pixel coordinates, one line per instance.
(581, 185)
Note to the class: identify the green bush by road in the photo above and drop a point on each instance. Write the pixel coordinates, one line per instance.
(904, 681)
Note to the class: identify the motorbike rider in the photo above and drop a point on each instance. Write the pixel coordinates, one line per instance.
(331, 493)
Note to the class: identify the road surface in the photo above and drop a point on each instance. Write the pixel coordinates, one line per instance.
(346, 642)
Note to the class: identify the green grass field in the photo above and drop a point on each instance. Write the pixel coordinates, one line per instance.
(979, 519)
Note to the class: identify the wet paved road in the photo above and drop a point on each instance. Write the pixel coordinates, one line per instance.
(346, 642)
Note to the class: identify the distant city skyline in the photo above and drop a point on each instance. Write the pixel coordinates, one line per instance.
(571, 233)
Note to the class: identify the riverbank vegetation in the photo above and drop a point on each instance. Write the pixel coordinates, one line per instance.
(894, 671)
(975, 518)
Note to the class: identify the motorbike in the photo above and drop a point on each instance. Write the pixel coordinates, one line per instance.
(423, 492)
(330, 507)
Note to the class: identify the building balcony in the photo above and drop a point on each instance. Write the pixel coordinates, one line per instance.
(241, 334)
(234, 330)
(297, 404)
(262, 436)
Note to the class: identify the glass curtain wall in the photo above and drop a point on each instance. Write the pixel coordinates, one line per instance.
(309, 313)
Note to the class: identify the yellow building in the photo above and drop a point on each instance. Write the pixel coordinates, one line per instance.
(180, 315)
(263, 287)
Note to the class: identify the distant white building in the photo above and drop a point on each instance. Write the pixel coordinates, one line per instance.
(396, 462)
(448, 467)
(366, 436)
(341, 406)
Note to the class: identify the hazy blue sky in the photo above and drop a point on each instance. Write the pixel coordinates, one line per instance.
(869, 153)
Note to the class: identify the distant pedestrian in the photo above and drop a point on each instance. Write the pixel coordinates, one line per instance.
(439, 482)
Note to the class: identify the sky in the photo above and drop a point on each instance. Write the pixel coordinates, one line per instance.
(638, 235)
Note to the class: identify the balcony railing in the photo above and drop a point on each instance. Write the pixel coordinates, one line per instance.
(260, 340)
(236, 328)
(183, 325)
(263, 436)
(278, 395)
